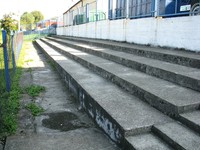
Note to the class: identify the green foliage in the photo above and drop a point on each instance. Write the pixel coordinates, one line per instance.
(30, 19)
(9, 102)
(34, 109)
(8, 24)
(38, 16)
(27, 19)
(34, 90)
(9, 106)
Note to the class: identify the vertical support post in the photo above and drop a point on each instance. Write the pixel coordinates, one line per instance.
(127, 9)
(109, 16)
(156, 8)
(87, 13)
(68, 18)
(110, 9)
(6, 73)
(12, 49)
(96, 10)
(18, 19)
(176, 6)
(78, 17)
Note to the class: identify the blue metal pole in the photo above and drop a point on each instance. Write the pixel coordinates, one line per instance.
(7, 78)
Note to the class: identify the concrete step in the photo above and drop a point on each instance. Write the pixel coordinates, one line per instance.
(178, 136)
(184, 76)
(191, 119)
(146, 141)
(117, 112)
(163, 95)
(181, 57)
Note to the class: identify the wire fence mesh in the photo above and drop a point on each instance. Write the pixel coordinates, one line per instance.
(9, 55)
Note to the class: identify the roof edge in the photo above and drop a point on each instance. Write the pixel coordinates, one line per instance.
(72, 6)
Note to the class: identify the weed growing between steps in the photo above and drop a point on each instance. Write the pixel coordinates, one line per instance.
(34, 109)
(34, 90)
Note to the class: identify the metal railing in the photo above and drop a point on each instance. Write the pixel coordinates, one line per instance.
(169, 8)
(141, 8)
(85, 14)
(132, 9)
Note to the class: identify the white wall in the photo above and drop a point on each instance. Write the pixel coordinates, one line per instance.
(177, 32)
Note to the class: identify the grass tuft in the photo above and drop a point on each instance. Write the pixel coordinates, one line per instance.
(34, 90)
(34, 109)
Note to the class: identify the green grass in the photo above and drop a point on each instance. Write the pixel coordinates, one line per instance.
(2, 83)
(1, 55)
(29, 60)
(34, 90)
(9, 104)
(1, 37)
(34, 109)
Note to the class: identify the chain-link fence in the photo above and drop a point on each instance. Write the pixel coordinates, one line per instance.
(9, 54)
(37, 34)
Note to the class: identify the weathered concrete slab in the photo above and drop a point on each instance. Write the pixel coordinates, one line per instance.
(192, 119)
(53, 129)
(147, 141)
(175, 56)
(82, 139)
(175, 99)
(182, 75)
(112, 108)
(179, 136)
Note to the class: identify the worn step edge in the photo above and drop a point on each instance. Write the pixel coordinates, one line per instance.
(168, 75)
(155, 101)
(82, 95)
(172, 141)
(190, 123)
(142, 51)
(78, 92)
(146, 141)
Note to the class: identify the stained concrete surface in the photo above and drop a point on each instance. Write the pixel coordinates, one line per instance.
(62, 126)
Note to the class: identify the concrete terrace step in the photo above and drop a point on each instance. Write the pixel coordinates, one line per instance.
(165, 96)
(118, 113)
(184, 76)
(181, 57)
(192, 120)
(178, 136)
(146, 141)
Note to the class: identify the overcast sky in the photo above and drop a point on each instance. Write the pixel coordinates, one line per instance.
(49, 8)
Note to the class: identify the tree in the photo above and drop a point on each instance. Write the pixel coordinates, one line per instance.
(38, 16)
(8, 23)
(27, 19)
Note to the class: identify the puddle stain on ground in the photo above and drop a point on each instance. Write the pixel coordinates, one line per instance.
(63, 121)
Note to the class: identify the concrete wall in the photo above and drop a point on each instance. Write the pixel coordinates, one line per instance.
(177, 32)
